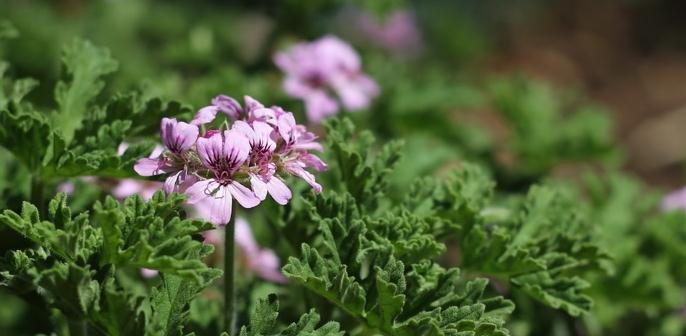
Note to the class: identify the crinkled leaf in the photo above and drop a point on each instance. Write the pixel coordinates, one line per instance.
(84, 65)
(263, 322)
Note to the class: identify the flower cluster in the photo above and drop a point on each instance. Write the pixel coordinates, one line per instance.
(212, 166)
(328, 64)
(398, 33)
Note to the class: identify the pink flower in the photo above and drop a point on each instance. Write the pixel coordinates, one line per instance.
(149, 273)
(253, 111)
(178, 137)
(296, 159)
(262, 262)
(69, 186)
(222, 154)
(263, 178)
(212, 168)
(328, 64)
(675, 200)
(399, 32)
(129, 187)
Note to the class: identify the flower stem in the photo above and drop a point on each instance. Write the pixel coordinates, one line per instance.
(78, 328)
(37, 194)
(229, 250)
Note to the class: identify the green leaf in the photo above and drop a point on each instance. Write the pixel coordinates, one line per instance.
(152, 235)
(362, 177)
(542, 245)
(84, 64)
(71, 239)
(263, 322)
(171, 303)
(357, 269)
(94, 151)
(7, 30)
(79, 262)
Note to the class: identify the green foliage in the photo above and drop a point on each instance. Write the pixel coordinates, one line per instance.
(43, 145)
(542, 244)
(367, 256)
(8, 30)
(77, 262)
(532, 110)
(378, 250)
(263, 322)
(647, 249)
(379, 266)
(85, 64)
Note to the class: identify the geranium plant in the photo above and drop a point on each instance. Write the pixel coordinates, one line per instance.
(360, 186)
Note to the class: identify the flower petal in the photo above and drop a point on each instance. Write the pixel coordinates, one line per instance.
(127, 187)
(236, 147)
(245, 239)
(228, 106)
(178, 136)
(245, 197)
(258, 186)
(151, 167)
(279, 190)
(311, 160)
(171, 182)
(205, 115)
(296, 169)
(210, 149)
(266, 265)
(149, 273)
(320, 105)
(215, 207)
(201, 190)
(251, 104)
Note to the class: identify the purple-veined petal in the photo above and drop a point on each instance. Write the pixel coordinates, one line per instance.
(210, 150)
(243, 128)
(156, 152)
(220, 206)
(311, 160)
(213, 237)
(178, 136)
(236, 147)
(262, 114)
(228, 106)
(251, 104)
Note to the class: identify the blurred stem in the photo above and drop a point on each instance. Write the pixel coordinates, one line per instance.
(78, 328)
(37, 194)
(229, 251)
